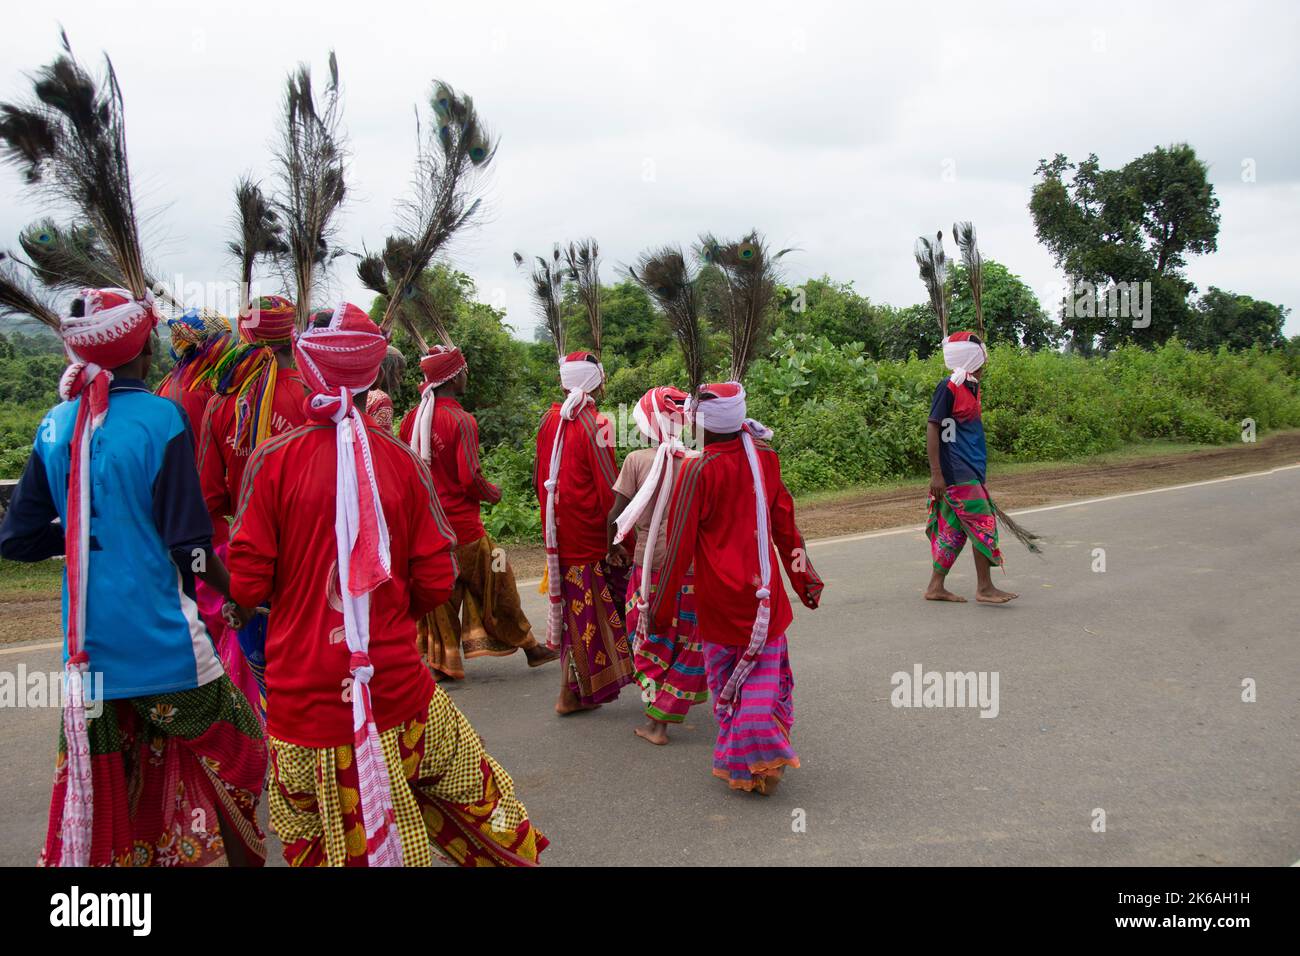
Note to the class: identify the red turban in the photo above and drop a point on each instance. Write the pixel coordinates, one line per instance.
(441, 365)
(113, 328)
(345, 354)
(270, 320)
(661, 413)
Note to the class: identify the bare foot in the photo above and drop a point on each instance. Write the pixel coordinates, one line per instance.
(540, 654)
(568, 703)
(655, 731)
(992, 595)
(941, 593)
(766, 785)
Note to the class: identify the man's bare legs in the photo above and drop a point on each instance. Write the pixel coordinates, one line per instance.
(985, 592)
(569, 702)
(938, 591)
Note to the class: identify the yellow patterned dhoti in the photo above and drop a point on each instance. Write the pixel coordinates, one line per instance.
(449, 796)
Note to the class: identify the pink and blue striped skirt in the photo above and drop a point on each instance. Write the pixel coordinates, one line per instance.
(754, 737)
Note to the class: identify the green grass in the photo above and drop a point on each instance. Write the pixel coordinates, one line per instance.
(20, 581)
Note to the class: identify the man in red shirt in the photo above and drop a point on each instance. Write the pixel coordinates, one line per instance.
(339, 526)
(483, 616)
(715, 521)
(574, 474)
(258, 394)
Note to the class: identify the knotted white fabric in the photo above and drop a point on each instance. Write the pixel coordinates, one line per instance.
(963, 356)
(725, 414)
(384, 846)
(579, 378)
(422, 430)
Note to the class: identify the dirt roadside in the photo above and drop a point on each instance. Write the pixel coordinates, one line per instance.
(38, 617)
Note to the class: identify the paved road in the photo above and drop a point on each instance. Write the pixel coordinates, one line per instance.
(1118, 690)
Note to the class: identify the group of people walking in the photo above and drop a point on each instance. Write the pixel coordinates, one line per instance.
(272, 583)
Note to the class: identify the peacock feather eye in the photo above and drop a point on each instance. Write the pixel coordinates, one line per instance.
(746, 251)
(477, 153)
(44, 238)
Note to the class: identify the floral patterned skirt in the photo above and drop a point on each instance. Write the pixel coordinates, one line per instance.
(174, 776)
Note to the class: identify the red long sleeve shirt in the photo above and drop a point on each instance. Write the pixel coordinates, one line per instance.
(283, 549)
(588, 470)
(221, 465)
(457, 473)
(711, 524)
(193, 402)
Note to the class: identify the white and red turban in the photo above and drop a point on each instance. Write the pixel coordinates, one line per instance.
(661, 416)
(441, 365)
(722, 409)
(338, 361)
(965, 357)
(580, 374)
(112, 330)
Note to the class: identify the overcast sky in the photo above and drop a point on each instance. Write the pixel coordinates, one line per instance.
(842, 130)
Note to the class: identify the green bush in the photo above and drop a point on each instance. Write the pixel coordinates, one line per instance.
(841, 419)
(515, 516)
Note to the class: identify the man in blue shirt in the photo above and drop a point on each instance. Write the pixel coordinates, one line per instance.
(960, 507)
(113, 486)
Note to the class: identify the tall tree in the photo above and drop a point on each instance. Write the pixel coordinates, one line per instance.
(1133, 225)
(1235, 320)
(1012, 312)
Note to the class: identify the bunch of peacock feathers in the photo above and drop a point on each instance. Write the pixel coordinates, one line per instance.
(451, 167)
(583, 260)
(548, 290)
(934, 273)
(69, 259)
(963, 233)
(258, 234)
(749, 271)
(311, 165)
(70, 142)
(21, 294)
(416, 311)
(666, 277)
